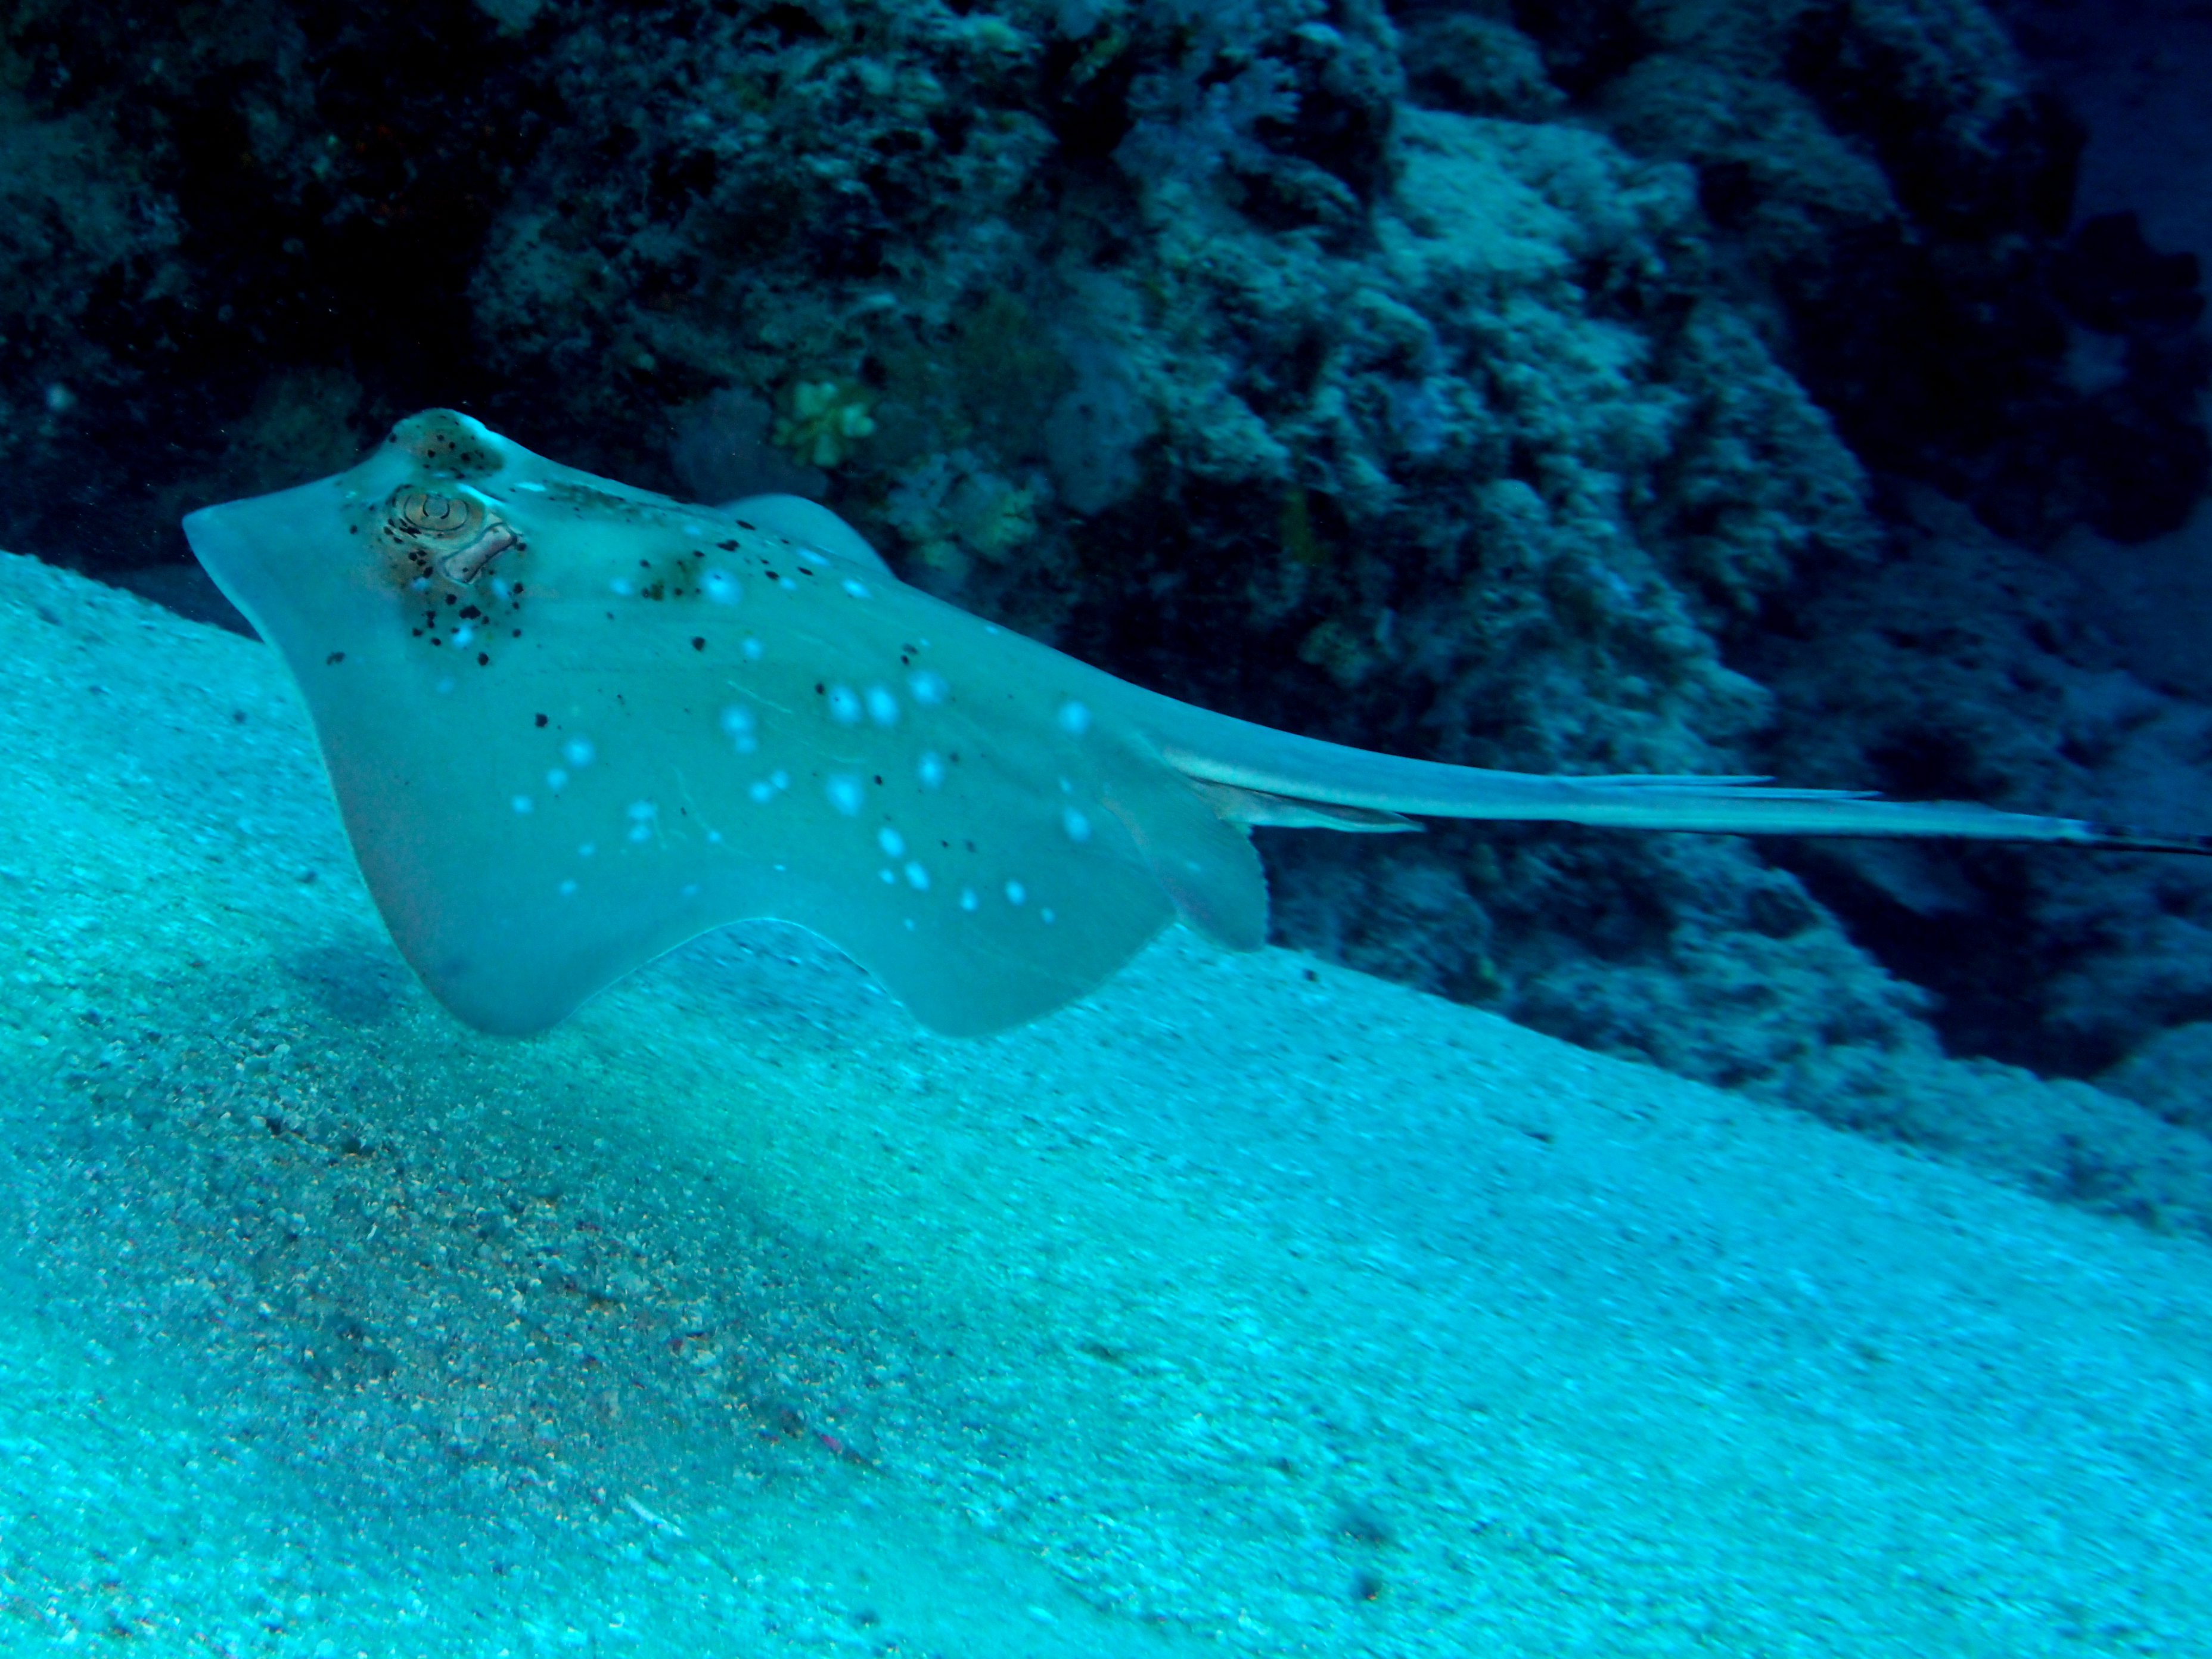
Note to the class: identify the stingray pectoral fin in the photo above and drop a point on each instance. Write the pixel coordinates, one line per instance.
(1004, 966)
(1202, 858)
(811, 523)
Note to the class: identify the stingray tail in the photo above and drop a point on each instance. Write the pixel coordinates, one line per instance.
(1254, 774)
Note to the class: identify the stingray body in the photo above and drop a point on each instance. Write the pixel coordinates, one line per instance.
(570, 724)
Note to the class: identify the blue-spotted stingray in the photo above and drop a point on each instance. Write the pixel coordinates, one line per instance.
(571, 725)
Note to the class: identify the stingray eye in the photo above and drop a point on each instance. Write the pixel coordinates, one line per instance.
(459, 532)
(426, 513)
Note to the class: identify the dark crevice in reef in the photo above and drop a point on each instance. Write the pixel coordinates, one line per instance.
(1985, 962)
(1942, 338)
(307, 192)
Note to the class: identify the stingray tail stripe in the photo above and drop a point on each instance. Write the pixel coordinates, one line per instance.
(1323, 779)
(2118, 836)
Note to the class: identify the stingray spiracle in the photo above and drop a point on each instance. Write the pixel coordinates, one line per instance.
(460, 532)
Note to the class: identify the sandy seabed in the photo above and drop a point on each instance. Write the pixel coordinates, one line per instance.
(1250, 1307)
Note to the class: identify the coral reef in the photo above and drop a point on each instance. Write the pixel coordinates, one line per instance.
(1960, 665)
(1893, 179)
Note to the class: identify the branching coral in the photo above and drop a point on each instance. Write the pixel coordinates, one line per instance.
(823, 420)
